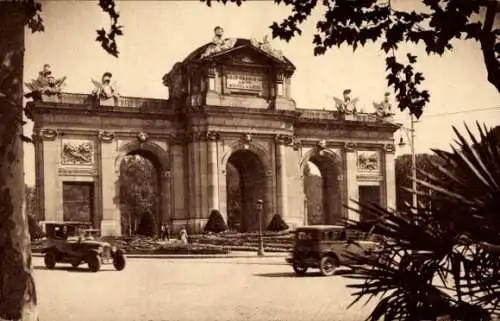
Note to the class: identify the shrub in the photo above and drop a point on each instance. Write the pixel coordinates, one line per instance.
(277, 224)
(215, 222)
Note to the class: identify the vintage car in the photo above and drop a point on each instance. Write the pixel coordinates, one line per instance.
(77, 243)
(325, 247)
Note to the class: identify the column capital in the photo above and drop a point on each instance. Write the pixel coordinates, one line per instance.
(350, 147)
(49, 134)
(212, 136)
(283, 139)
(106, 136)
(390, 148)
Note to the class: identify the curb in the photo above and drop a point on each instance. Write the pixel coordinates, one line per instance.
(194, 256)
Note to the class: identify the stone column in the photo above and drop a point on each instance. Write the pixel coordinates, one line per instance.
(351, 180)
(111, 220)
(213, 170)
(281, 142)
(390, 176)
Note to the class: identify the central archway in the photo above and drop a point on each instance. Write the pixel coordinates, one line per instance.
(246, 183)
(322, 173)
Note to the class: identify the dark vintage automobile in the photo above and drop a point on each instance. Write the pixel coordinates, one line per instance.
(324, 247)
(77, 243)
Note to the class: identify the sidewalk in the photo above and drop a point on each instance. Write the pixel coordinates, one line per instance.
(233, 254)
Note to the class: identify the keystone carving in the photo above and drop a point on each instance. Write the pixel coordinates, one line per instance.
(142, 137)
(321, 144)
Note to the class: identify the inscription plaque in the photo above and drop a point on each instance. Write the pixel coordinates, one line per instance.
(245, 82)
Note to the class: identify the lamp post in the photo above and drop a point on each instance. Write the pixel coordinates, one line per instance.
(410, 134)
(260, 206)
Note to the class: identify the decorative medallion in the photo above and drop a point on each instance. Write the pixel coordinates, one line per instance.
(142, 137)
(106, 136)
(77, 152)
(368, 161)
(389, 148)
(350, 147)
(49, 134)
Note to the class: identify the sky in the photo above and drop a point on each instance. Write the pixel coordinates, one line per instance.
(159, 34)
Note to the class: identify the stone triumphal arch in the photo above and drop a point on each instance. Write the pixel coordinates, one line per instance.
(229, 134)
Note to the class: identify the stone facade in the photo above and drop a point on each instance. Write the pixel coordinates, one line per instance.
(232, 106)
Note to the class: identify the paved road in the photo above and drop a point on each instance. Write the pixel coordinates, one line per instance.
(192, 290)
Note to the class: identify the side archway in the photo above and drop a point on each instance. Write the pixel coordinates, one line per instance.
(143, 188)
(321, 171)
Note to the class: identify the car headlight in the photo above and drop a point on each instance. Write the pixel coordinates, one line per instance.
(113, 248)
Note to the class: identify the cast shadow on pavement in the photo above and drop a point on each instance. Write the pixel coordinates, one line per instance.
(288, 275)
(82, 269)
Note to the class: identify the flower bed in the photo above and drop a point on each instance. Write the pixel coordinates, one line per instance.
(221, 243)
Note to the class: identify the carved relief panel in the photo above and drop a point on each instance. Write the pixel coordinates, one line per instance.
(368, 161)
(77, 152)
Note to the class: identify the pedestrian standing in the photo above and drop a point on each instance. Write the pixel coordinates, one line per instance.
(183, 235)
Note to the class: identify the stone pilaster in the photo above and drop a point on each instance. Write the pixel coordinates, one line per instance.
(390, 176)
(351, 180)
(53, 206)
(109, 179)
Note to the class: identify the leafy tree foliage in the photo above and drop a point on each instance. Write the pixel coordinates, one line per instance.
(138, 195)
(215, 222)
(277, 224)
(424, 162)
(356, 23)
(443, 261)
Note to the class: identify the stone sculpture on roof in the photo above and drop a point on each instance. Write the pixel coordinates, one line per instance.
(383, 109)
(104, 89)
(218, 43)
(346, 105)
(45, 84)
(265, 46)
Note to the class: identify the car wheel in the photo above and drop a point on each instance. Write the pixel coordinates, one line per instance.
(299, 268)
(94, 262)
(50, 259)
(119, 261)
(328, 265)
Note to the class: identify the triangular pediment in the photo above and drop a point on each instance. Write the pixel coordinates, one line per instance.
(249, 54)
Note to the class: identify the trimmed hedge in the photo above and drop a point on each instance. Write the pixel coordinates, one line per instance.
(215, 222)
(277, 224)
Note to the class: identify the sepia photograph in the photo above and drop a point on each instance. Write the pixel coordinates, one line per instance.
(249, 160)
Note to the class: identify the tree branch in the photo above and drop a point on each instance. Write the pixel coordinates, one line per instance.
(488, 40)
